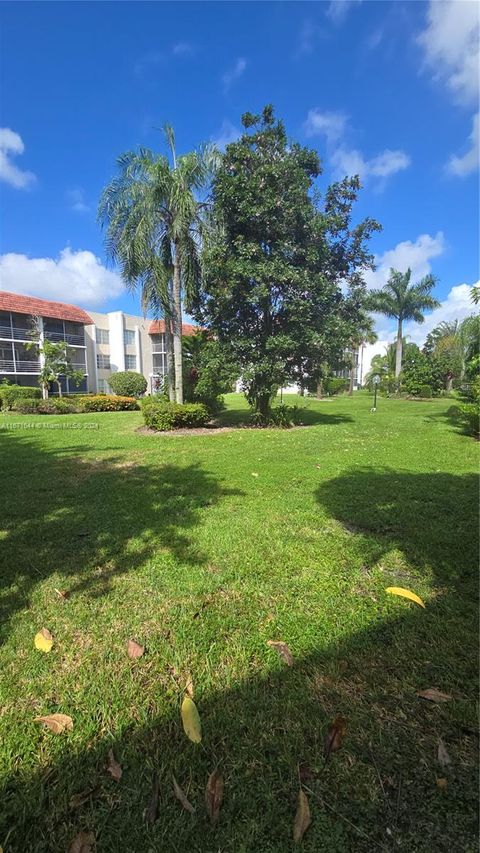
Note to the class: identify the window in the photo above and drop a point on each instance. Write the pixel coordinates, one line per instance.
(103, 361)
(102, 336)
(159, 363)
(130, 362)
(103, 386)
(128, 337)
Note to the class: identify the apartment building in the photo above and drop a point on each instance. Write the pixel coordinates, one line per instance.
(101, 344)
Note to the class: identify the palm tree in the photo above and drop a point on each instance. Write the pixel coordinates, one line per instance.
(154, 219)
(403, 301)
(364, 334)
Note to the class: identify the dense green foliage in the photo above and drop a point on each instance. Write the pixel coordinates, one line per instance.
(75, 404)
(333, 385)
(275, 263)
(209, 371)
(128, 383)
(9, 394)
(106, 403)
(172, 542)
(56, 361)
(162, 415)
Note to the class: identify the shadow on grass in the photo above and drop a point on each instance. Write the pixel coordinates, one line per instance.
(459, 424)
(309, 416)
(94, 519)
(378, 792)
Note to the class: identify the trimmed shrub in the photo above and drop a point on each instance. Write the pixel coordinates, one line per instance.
(469, 415)
(26, 406)
(52, 406)
(282, 416)
(161, 415)
(106, 403)
(128, 383)
(334, 385)
(9, 394)
(425, 391)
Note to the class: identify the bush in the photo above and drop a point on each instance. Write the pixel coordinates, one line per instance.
(106, 403)
(128, 383)
(334, 385)
(282, 416)
(26, 406)
(425, 391)
(9, 394)
(469, 415)
(161, 415)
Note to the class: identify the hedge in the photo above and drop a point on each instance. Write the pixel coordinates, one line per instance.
(128, 383)
(161, 415)
(106, 403)
(74, 405)
(10, 393)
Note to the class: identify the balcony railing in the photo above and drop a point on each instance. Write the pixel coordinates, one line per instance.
(6, 332)
(77, 340)
(9, 366)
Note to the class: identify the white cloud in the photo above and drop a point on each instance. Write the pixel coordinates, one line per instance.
(183, 48)
(416, 255)
(467, 164)
(331, 124)
(349, 161)
(76, 200)
(77, 277)
(233, 73)
(227, 133)
(308, 36)
(456, 306)
(450, 42)
(337, 10)
(11, 144)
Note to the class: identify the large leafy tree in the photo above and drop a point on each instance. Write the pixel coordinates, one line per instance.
(452, 344)
(275, 266)
(403, 301)
(153, 212)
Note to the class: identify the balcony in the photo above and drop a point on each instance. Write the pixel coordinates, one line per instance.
(74, 340)
(18, 334)
(9, 366)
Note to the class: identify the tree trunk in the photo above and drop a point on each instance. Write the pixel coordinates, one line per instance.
(169, 350)
(59, 388)
(263, 402)
(319, 389)
(449, 384)
(398, 354)
(177, 330)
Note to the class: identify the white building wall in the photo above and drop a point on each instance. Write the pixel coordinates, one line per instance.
(117, 346)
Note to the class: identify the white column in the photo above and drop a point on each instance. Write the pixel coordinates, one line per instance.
(117, 345)
(138, 351)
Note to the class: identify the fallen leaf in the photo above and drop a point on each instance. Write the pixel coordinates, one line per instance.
(77, 800)
(433, 695)
(134, 650)
(282, 650)
(405, 593)
(63, 594)
(152, 811)
(334, 737)
(302, 817)
(442, 754)
(318, 466)
(254, 474)
(57, 723)
(214, 795)
(113, 767)
(442, 784)
(181, 797)
(82, 843)
(43, 640)
(191, 720)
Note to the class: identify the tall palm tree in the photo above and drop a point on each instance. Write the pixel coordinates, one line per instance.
(403, 301)
(154, 216)
(364, 334)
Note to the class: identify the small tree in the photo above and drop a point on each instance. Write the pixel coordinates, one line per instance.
(55, 360)
(128, 383)
(209, 370)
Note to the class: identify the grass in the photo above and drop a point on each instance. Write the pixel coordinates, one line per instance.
(203, 548)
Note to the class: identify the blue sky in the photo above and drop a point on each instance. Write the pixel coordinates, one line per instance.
(389, 89)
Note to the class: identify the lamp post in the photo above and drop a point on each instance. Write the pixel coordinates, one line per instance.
(376, 382)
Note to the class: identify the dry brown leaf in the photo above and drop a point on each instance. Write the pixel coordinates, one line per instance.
(442, 784)
(82, 843)
(302, 817)
(189, 686)
(57, 723)
(152, 810)
(335, 735)
(181, 797)
(214, 795)
(442, 754)
(282, 650)
(433, 695)
(63, 594)
(134, 650)
(113, 767)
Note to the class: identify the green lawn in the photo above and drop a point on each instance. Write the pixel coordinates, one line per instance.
(203, 548)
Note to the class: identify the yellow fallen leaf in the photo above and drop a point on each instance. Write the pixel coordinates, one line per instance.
(302, 817)
(43, 640)
(191, 720)
(57, 723)
(405, 593)
(442, 784)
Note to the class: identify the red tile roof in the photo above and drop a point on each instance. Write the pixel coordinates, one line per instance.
(43, 308)
(158, 327)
